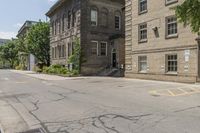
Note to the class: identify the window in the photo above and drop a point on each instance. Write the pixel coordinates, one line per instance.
(143, 32)
(59, 25)
(73, 18)
(64, 50)
(52, 28)
(55, 52)
(103, 49)
(171, 24)
(142, 6)
(59, 51)
(69, 49)
(55, 27)
(172, 63)
(104, 16)
(94, 45)
(69, 20)
(63, 23)
(94, 17)
(52, 52)
(170, 1)
(117, 22)
(142, 61)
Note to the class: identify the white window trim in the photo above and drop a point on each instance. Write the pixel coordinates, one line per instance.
(106, 48)
(119, 22)
(139, 8)
(139, 61)
(167, 26)
(96, 16)
(140, 40)
(97, 46)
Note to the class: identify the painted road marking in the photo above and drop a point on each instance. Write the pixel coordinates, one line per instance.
(20, 82)
(175, 92)
(5, 79)
(171, 93)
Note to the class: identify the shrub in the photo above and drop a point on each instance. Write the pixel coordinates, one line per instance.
(20, 67)
(37, 69)
(56, 69)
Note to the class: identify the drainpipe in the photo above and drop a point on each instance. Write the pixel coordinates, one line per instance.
(198, 58)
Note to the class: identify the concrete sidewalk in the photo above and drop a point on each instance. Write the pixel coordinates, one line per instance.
(40, 76)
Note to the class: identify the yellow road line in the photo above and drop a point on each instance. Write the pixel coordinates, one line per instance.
(171, 93)
(182, 90)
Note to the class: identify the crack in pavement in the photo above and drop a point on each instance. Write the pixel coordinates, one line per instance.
(99, 122)
(186, 109)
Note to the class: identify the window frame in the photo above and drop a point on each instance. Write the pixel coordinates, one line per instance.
(73, 18)
(100, 50)
(96, 21)
(69, 17)
(142, 40)
(119, 16)
(142, 61)
(63, 23)
(139, 7)
(167, 64)
(167, 2)
(167, 35)
(97, 51)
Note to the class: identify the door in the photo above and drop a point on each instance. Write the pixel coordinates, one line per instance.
(114, 60)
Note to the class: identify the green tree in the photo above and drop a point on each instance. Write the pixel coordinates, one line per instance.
(189, 14)
(75, 58)
(38, 42)
(8, 52)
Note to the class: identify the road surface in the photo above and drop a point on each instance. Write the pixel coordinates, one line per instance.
(97, 105)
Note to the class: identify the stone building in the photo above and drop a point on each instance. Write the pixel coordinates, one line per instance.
(3, 41)
(157, 46)
(28, 59)
(99, 24)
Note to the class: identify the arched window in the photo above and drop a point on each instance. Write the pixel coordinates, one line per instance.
(104, 17)
(73, 17)
(69, 19)
(118, 20)
(94, 16)
(55, 27)
(52, 28)
(63, 23)
(59, 25)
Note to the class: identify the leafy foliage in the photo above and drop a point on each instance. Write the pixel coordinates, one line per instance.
(37, 41)
(9, 52)
(189, 14)
(75, 58)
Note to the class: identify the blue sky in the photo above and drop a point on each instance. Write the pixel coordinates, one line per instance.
(13, 13)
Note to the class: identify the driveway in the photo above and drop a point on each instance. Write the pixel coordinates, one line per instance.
(97, 105)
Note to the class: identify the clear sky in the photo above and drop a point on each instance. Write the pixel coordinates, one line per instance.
(13, 13)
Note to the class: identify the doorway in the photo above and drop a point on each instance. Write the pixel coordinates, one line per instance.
(114, 59)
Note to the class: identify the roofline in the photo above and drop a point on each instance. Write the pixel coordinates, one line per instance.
(23, 26)
(54, 7)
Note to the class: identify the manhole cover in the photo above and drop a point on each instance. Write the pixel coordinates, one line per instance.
(39, 130)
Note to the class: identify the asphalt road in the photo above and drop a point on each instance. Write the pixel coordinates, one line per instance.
(97, 105)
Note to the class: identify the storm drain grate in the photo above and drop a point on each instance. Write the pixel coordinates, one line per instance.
(39, 130)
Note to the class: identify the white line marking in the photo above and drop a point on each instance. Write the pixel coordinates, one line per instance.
(6, 79)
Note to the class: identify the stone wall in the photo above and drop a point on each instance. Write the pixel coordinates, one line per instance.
(158, 46)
